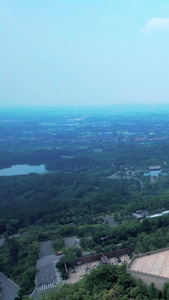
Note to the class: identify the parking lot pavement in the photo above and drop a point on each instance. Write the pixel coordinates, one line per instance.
(9, 288)
(46, 248)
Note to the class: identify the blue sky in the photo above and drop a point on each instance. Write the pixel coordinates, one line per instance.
(84, 52)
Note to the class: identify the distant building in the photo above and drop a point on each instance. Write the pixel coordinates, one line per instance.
(140, 214)
(154, 168)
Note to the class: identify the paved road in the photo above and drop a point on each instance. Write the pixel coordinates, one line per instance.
(9, 289)
(141, 184)
(46, 274)
(46, 260)
(47, 277)
(17, 235)
(2, 241)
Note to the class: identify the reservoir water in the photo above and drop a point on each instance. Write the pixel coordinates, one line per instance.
(23, 170)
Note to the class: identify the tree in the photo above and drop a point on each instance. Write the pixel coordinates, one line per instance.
(165, 290)
(146, 226)
(72, 254)
(58, 244)
(153, 292)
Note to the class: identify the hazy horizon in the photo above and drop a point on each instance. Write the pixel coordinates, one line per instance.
(84, 53)
(107, 109)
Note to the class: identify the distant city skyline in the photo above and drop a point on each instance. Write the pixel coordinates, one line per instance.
(84, 53)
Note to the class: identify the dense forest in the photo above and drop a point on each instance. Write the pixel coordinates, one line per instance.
(63, 198)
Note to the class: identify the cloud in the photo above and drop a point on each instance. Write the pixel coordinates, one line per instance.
(156, 24)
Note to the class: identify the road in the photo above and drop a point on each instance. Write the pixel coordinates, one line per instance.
(17, 235)
(2, 241)
(9, 288)
(141, 184)
(47, 277)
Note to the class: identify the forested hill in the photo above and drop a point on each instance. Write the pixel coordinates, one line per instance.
(61, 198)
(65, 198)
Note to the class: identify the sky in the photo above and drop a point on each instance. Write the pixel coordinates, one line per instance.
(84, 52)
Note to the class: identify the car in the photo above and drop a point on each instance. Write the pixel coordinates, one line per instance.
(58, 252)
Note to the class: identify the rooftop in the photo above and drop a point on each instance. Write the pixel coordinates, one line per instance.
(153, 168)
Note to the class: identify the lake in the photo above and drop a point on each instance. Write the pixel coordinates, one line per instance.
(23, 170)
